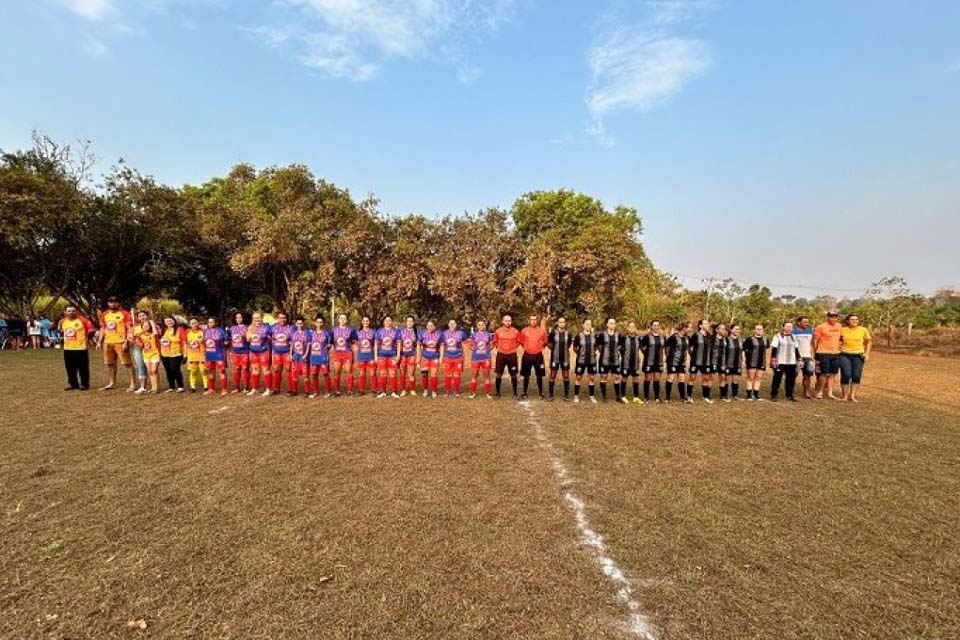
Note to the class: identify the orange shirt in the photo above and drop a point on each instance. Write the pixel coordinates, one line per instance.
(148, 343)
(75, 333)
(827, 337)
(171, 342)
(533, 339)
(505, 339)
(114, 325)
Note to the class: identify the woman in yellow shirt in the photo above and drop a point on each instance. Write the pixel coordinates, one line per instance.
(855, 344)
(196, 371)
(173, 340)
(146, 337)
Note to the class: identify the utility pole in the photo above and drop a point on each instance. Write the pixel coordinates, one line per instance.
(706, 307)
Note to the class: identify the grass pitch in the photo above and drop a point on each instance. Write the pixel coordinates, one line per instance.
(130, 516)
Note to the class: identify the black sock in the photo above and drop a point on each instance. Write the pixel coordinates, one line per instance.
(636, 389)
(656, 389)
(735, 388)
(646, 389)
(683, 391)
(526, 384)
(590, 389)
(616, 390)
(689, 386)
(540, 385)
(566, 388)
(723, 391)
(756, 393)
(552, 384)
(497, 384)
(513, 383)
(669, 390)
(705, 391)
(576, 389)
(603, 390)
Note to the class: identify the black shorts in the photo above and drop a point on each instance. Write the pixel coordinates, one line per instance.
(531, 361)
(608, 368)
(732, 371)
(580, 369)
(559, 366)
(705, 369)
(506, 361)
(829, 363)
(676, 369)
(652, 368)
(629, 372)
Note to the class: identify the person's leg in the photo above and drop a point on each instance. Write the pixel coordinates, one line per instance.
(856, 373)
(83, 368)
(706, 382)
(656, 387)
(775, 385)
(153, 372)
(566, 383)
(845, 375)
(70, 363)
(791, 382)
(178, 372)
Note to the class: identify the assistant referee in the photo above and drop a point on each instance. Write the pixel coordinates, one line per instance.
(505, 341)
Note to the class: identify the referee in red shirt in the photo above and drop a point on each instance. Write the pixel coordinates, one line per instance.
(505, 340)
(533, 339)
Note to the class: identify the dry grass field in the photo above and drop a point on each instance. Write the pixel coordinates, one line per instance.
(171, 517)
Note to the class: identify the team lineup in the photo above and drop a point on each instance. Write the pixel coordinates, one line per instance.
(389, 360)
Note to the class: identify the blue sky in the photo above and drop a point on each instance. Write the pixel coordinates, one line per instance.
(728, 125)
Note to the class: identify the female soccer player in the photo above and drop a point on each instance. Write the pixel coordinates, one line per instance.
(258, 347)
(755, 358)
(239, 354)
(608, 345)
(320, 340)
(652, 346)
(559, 341)
(630, 345)
(146, 335)
(281, 337)
(700, 362)
(173, 347)
(299, 357)
(733, 365)
(366, 363)
(481, 343)
(585, 350)
(214, 356)
(196, 372)
(408, 355)
(344, 337)
(136, 353)
(718, 353)
(451, 354)
(855, 344)
(387, 338)
(677, 346)
(429, 360)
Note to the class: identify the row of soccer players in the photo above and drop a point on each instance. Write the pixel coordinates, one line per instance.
(390, 357)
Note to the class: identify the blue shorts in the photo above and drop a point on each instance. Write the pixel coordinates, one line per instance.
(829, 363)
(808, 368)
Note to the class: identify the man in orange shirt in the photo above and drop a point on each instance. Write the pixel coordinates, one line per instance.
(826, 349)
(533, 339)
(505, 340)
(75, 330)
(114, 342)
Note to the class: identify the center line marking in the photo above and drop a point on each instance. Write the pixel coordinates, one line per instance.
(637, 623)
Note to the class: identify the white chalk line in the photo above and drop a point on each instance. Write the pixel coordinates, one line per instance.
(228, 407)
(637, 622)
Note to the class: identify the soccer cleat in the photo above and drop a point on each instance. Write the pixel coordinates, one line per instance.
(489, 396)
(234, 392)
(312, 395)
(637, 401)
(403, 393)
(792, 399)
(433, 394)
(472, 396)
(266, 393)
(169, 390)
(593, 400)
(727, 400)
(137, 392)
(252, 392)
(382, 394)
(626, 400)
(737, 398)
(749, 398)
(292, 394)
(180, 390)
(576, 399)
(426, 393)
(708, 401)
(759, 399)
(688, 401)
(394, 395)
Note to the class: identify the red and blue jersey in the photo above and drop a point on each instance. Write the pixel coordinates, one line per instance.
(213, 343)
(481, 342)
(453, 343)
(430, 344)
(258, 338)
(320, 347)
(238, 339)
(387, 342)
(365, 340)
(300, 344)
(343, 339)
(281, 337)
(408, 342)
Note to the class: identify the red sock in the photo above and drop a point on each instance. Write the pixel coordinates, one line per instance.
(256, 382)
(350, 383)
(278, 380)
(383, 384)
(363, 382)
(411, 383)
(327, 384)
(434, 381)
(314, 384)
(292, 383)
(246, 379)
(425, 381)
(394, 384)
(211, 379)
(456, 384)
(268, 379)
(487, 386)
(236, 379)
(473, 386)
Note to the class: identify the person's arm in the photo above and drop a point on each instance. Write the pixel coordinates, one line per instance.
(867, 343)
(774, 345)
(99, 340)
(815, 341)
(182, 333)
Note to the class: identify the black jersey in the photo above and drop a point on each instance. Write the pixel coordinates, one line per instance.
(755, 352)
(559, 343)
(734, 353)
(652, 346)
(608, 344)
(699, 350)
(585, 346)
(718, 353)
(630, 352)
(676, 347)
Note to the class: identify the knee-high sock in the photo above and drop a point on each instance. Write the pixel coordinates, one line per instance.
(456, 384)
(236, 378)
(487, 386)
(683, 391)
(723, 391)
(473, 385)
(656, 389)
(689, 386)
(499, 382)
(526, 384)
(616, 389)
(566, 387)
(705, 391)
(362, 381)
(211, 381)
(268, 380)
(646, 389)
(350, 382)
(636, 389)
(425, 380)
(513, 383)
(603, 390)
(246, 378)
(383, 384)
(434, 382)
(576, 389)
(551, 386)
(314, 383)
(540, 385)
(256, 382)
(669, 390)
(591, 389)
(293, 382)
(734, 389)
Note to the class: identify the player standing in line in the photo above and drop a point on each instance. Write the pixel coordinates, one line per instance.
(429, 360)
(652, 346)
(214, 356)
(387, 339)
(804, 335)
(559, 342)
(481, 343)
(75, 330)
(608, 345)
(677, 346)
(733, 361)
(173, 346)
(281, 336)
(506, 340)
(196, 369)
(784, 360)
(755, 359)
(533, 338)
(585, 350)
(258, 347)
(408, 356)
(300, 358)
(239, 354)
(320, 341)
(718, 355)
(147, 337)
(700, 362)
(826, 348)
(630, 345)
(451, 354)
(366, 363)
(344, 337)
(113, 340)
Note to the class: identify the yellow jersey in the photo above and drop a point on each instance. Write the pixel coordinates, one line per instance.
(75, 333)
(853, 339)
(195, 345)
(114, 326)
(170, 343)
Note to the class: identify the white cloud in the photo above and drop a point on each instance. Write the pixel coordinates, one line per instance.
(94, 47)
(353, 38)
(954, 66)
(90, 9)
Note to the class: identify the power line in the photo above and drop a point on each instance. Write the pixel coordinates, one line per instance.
(713, 279)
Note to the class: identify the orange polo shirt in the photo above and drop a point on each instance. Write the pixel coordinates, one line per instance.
(827, 337)
(533, 339)
(505, 339)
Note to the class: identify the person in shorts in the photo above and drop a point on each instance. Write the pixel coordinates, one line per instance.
(320, 340)
(804, 335)
(585, 362)
(559, 342)
(755, 360)
(700, 363)
(481, 345)
(631, 345)
(506, 340)
(676, 348)
(533, 339)
(826, 350)
(114, 340)
(652, 346)
(429, 358)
